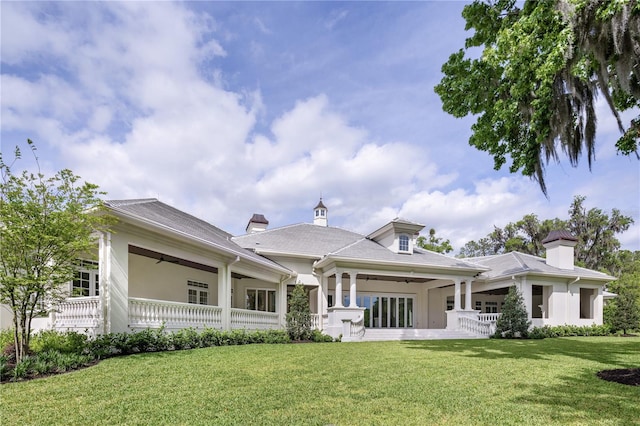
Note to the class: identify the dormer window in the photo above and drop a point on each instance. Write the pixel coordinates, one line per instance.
(403, 243)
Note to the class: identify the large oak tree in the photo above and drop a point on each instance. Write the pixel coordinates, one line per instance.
(532, 74)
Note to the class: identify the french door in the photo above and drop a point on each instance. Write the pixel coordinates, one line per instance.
(386, 310)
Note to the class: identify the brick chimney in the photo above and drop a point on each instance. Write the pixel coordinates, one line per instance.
(559, 246)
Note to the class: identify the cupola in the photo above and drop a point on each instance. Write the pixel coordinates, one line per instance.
(257, 223)
(320, 217)
(559, 246)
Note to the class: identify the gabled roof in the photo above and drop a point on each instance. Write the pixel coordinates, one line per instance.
(165, 217)
(368, 250)
(301, 239)
(516, 263)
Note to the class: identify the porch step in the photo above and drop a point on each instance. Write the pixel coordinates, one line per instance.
(381, 334)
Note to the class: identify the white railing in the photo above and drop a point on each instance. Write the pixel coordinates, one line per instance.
(483, 328)
(357, 327)
(253, 320)
(489, 317)
(79, 314)
(315, 322)
(148, 313)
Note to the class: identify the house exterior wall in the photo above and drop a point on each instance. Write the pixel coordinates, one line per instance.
(167, 281)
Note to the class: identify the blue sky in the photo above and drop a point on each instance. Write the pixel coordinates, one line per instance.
(224, 109)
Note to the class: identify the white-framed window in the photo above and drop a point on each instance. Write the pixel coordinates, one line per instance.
(322, 213)
(197, 292)
(479, 305)
(317, 213)
(449, 303)
(491, 307)
(261, 299)
(403, 243)
(87, 279)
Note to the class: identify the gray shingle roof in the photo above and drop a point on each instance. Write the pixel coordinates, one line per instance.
(157, 213)
(322, 241)
(302, 238)
(516, 263)
(367, 249)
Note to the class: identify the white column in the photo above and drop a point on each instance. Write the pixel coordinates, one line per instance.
(118, 292)
(338, 303)
(525, 290)
(224, 295)
(281, 307)
(352, 290)
(467, 295)
(457, 296)
(324, 283)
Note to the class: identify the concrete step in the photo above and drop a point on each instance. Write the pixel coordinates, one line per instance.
(382, 334)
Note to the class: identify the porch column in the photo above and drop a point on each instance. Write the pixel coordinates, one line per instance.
(352, 290)
(224, 295)
(281, 306)
(324, 283)
(525, 290)
(320, 302)
(117, 296)
(457, 296)
(467, 295)
(338, 303)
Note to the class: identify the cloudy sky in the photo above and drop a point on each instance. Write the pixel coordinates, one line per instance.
(228, 109)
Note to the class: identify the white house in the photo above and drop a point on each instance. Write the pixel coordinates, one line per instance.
(161, 266)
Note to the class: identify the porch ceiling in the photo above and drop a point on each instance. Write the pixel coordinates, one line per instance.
(161, 257)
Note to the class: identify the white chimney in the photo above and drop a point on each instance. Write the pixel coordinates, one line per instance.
(257, 223)
(559, 245)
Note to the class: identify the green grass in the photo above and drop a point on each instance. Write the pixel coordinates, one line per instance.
(458, 382)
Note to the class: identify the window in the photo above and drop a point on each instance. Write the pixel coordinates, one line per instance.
(197, 293)
(491, 307)
(317, 213)
(322, 213)
(449, 303)
(259, 299)
(87, 279)
(403, 243)
(479, 305)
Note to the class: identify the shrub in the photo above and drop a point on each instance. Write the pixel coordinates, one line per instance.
(319, 337)
(64, 342)
(514, 321)
(187, 338)
(569, 330)
(299, 315)
(6, 339)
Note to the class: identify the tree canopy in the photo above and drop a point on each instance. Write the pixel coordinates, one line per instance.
(535, 84)
(433, 243)
(46, 224)
(596, 231)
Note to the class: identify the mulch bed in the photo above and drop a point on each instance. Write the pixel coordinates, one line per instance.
(626, 376)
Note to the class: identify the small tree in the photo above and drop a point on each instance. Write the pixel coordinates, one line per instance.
(45, 225)
(624, 313)
(299, 315)
(514, 321)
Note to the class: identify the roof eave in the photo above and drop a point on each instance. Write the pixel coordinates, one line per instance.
(159, 227)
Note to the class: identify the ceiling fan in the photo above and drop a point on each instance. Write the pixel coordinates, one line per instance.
(170, 260)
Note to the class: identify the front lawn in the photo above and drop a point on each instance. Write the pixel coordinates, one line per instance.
(551, 381)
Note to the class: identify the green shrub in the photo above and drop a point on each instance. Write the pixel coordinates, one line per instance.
(6, 339)
(319, 337)
(64, 342)
(569, 330)
(299, 315)
(4, 368)
(514, 321)
(187, 338)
